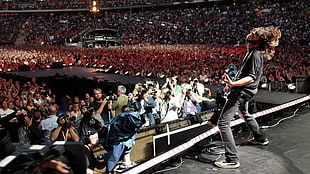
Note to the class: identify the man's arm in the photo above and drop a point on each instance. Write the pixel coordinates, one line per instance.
(56, 131)
(74, 134)
(101, 107)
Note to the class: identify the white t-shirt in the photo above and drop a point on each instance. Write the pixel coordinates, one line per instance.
(4, 113)
(170, 113)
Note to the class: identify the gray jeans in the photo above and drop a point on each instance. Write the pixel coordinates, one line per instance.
(236, 102)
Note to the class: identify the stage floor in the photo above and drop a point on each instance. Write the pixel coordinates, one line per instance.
(287, 153)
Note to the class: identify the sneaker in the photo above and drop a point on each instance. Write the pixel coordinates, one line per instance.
(227, 165)
(256, 142)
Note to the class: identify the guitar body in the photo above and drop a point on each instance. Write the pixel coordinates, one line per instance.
(231, 72)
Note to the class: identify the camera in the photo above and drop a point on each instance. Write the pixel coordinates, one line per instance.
(89, 112)
(154, 91)
(111, 97)
(66, 117)
(68, 120)
(21, 118)
(167, 95)
(195, 81)
(86, 138)
(29, 114)
(28, 159)
(139, 90)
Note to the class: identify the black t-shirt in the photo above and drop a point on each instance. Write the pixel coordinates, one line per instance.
(252, 66)
(105, 114)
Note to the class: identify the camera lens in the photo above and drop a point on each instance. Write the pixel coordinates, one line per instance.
(100, 157)
(72, 118)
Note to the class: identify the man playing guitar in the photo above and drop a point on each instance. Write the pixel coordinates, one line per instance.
(261, 42)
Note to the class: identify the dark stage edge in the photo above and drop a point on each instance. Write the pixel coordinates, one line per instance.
(287, 153)
(79, 72)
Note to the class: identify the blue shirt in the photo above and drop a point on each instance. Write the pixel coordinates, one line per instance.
(46, 126)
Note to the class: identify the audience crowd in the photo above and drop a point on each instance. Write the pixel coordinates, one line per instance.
(156, 61)
(79, 4)
(206, 24)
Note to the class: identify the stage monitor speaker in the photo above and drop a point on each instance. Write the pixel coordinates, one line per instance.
(23, 68)
(303, 84)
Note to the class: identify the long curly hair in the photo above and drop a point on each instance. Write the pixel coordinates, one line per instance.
(268, 37)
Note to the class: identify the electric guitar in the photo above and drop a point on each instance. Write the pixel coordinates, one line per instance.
(230, 72)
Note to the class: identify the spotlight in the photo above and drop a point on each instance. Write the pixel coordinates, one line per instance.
(264, 86)
(291, 87)
(95, 7)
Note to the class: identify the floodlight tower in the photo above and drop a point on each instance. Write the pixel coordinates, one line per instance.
(95, 8)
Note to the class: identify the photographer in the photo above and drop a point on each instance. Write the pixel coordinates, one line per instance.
(117, 137)
(7, 148)
(54, 158)
(64, 131)
(172, 84)
(197, 87)
(207, 102)
(189, 100)
(147, 103)
(101, 105)
(76, 112)
(122, 100)
(50, 123)
(91, 123)
(24, 121)
(17, 124)
(35, 134)
(169, 106)
(9, 123)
